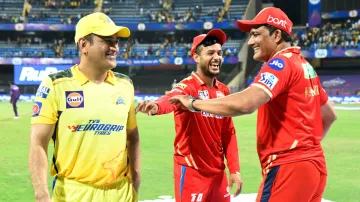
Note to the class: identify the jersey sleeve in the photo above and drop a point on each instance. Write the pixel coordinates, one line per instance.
(323, 95)
(163, 103)
(45, 108)
(131, 122)
(274, 76)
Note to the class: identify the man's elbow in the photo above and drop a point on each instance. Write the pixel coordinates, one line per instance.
(244, 109)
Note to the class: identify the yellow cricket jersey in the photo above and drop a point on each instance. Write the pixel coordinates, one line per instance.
(91, 122)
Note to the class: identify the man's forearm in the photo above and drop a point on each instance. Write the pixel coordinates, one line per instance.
(38, 164)
(134, 153)
(326, 127)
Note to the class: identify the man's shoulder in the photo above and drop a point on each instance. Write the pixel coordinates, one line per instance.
(188, 81)
(61, 74)
(122, 76)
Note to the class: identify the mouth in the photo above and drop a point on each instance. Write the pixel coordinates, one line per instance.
(214, 66)
(111, 54)
(256, 49)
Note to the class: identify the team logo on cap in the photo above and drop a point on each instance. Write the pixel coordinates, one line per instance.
(74, 99)
(36, 109)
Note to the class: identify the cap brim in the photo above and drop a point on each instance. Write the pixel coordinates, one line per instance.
(218, 33)
(246, 25)
(111, 30)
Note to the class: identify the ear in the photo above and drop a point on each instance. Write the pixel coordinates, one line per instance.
(277, 36)
(196, 57)
(83, 45)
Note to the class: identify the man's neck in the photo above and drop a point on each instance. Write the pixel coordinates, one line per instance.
(209, 81)
(280, 47)
(93, 73)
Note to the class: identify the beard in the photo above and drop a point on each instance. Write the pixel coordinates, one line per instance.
(206, 71)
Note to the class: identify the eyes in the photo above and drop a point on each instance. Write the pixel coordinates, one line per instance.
(210, 53)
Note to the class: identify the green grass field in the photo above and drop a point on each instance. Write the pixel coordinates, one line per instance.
(342, 150)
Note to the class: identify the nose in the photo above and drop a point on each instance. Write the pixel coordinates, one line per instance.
(251, 41)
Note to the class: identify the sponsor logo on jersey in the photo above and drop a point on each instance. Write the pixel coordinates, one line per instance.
(97, 127)
(42, 92)
(277, 64)
(312, 91)
(180, 85)
(36, 109)
(74, 99)
(207, 114)
(268, 79)
(219, 94)
(203, 94)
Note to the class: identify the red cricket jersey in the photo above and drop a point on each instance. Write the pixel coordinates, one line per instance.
(202, 139)
(289, 126)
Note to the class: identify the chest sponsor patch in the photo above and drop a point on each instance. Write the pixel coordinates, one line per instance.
(203, 94)
(268, 79)
(74, 99)
(277, 64)
(219, 94)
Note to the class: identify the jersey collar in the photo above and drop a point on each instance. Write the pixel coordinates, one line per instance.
(199, 81)
(79, 76)
(292, 49)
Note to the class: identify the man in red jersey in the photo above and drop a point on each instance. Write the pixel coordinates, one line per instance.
(202, 139)
(294, 113)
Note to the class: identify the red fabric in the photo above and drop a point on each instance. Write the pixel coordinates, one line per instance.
(289, 126)
(218, 33)
(202, 139)
(199, 188)
(271, 16)
(295, 182)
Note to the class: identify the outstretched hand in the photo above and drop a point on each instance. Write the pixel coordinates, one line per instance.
(148, 107)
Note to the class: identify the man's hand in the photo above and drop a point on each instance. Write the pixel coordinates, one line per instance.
(235, 178)
(42, 195)
(148, 107)
(183, 100)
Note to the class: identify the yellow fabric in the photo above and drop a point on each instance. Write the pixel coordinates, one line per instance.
(72, 191)
(100, 24)
(91, 122)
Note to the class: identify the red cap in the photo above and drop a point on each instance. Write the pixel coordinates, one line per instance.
(218, 33)
(271, 16)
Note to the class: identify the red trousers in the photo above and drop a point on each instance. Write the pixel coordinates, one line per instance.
(192, 186)
(295, 182)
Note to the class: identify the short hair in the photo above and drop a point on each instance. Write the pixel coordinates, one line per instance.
(208, 41)
(89, 38)
(285, 36)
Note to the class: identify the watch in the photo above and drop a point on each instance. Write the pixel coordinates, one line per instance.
(191, 101)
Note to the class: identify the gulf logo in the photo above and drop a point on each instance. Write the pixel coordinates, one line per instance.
(74, 99)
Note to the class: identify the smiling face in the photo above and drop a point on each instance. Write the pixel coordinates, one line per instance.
(263, 43)
(101, 50)
(210, 59)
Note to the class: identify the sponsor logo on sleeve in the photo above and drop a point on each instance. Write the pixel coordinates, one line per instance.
(42, 92)
(36, 109)
(268, 79)
(74, 99)
(180, 85)
(277, 64)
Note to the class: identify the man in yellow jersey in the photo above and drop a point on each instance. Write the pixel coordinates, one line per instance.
(88, 111)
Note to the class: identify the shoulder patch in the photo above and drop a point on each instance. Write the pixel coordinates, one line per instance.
(276, 64)
(122, 76)
(180, 85)
(61, 74)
